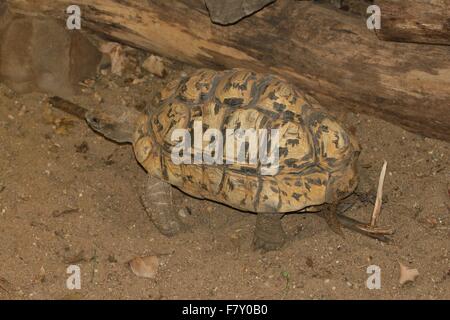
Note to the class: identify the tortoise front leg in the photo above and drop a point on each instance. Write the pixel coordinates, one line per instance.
(157, 201)
(269, 234)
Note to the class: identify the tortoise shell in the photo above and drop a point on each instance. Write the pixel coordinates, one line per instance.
(317, 157)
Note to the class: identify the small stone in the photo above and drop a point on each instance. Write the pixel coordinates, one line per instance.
(117, 55)
(98, 97)
(184, 213)
(138, 81)
(155, 65)
(22, 110)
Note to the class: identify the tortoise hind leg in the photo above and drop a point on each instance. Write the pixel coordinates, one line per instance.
(269, 234)
(336, 221)
(331, 217)
(157, 201)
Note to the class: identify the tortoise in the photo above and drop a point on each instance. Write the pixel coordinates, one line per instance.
(316, 163)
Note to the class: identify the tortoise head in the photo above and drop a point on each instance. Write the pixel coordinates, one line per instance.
(119, 128)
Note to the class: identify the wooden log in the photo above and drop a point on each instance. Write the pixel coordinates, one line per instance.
(330, 55)
(419, 21)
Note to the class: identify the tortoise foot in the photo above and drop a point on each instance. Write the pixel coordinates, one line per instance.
(332, 220)
(269, 234)
(263, 244)
(167, 223)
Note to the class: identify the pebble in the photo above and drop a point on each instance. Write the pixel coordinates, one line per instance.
(155, 65)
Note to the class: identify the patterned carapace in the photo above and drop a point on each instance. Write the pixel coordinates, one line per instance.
(317, 157)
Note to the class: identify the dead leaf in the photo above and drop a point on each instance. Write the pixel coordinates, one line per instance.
(145, 267)
(407, 274)
(117, 56)
(432, 221)
(155, 65)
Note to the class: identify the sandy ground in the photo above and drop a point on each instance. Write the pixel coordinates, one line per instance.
(68, 196)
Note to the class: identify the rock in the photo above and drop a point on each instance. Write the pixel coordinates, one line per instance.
(184, 213)
(155, 65)
(48, 57)
(117, 56)
(97, 97)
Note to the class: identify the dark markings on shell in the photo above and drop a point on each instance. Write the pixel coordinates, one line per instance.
(316, 182)
(336, 140)
(234, 102)
(249, 170)
(288, 116)
(292, 142)
(257, 200)
(283, 152)
(158, 125)
(331, 161)
(216, 108)
(272, 95)
(230, 185)
(290, 162)
(163, 166)
(279, 107)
